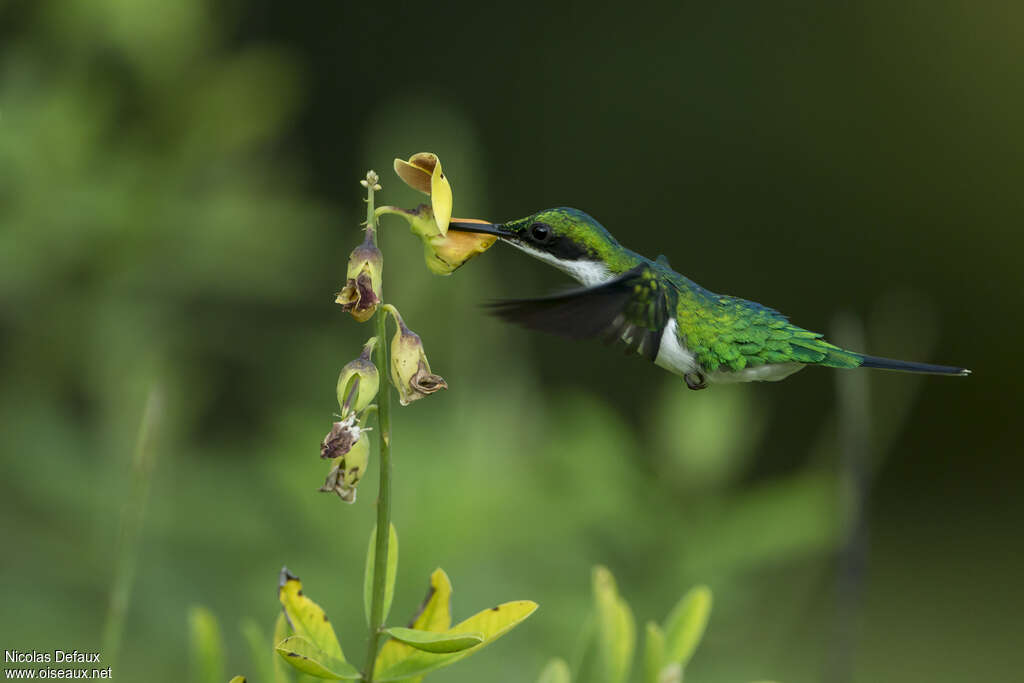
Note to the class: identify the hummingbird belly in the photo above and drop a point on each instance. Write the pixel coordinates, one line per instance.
(676, 358)
(770, 372)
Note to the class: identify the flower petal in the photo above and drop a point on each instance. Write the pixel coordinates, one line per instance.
(441, 198)
(414, 176)
(445, 254)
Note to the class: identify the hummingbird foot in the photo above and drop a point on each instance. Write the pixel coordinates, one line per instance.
(696, 380)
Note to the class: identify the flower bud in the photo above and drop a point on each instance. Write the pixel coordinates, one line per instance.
(342, 437)
(358, 382)
(410, 370)
(423, 172)
(362, 291)
(346, 471)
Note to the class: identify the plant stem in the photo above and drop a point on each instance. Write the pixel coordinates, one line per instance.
(384, 458)
(130, 530)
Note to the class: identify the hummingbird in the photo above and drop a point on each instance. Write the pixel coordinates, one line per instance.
(645, 305)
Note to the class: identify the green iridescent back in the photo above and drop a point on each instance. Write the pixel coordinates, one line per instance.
(729, 333)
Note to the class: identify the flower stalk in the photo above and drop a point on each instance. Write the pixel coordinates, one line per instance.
(384, 458)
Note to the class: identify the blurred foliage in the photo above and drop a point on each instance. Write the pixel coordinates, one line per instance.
(609, 639)
(168, 174)
(207, 646)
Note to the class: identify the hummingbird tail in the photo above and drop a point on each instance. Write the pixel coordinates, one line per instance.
(910, 366)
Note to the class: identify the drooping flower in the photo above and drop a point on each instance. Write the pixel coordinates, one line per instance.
(361, 294)
(358, 382)
(346, 471)
(410, 369)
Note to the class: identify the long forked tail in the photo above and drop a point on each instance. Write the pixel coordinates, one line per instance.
(909, 366)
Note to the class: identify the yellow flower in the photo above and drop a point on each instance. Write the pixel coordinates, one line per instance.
(423, 172)
(444, 251)
(362, 291)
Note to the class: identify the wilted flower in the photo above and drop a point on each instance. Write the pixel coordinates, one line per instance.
(343, 436)
(362, 291)
(358, 382)
(443, 252)
(423, 172)
(346, 471)
(410, 369)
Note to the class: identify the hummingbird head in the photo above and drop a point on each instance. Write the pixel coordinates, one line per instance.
(565, 238)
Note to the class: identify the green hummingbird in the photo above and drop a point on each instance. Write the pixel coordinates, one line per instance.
(660, 314)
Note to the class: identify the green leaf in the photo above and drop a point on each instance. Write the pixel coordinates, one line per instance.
(616, 630)
(654, 652)
(306, 617)
(430, 641)
(581, 655)
(556, 671)
(207, 646)
(305, 656)
(435, 615)
(237, 679)
(491, 624)
(282, 672)
(389, 576)
(685, 625)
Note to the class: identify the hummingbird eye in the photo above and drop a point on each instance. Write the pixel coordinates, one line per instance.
(540, 232)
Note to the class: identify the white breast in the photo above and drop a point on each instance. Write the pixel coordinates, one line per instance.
(673, 354)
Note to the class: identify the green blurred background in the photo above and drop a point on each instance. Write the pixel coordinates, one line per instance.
(178, 195)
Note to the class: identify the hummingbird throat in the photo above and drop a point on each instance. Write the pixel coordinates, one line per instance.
(586, 272)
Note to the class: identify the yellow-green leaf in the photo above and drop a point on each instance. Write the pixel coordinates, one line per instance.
(237, 679)
(389, 576)
(654, 652)
(305, 656)
(431, 641)
(306, 617)
(556, 671)
(685, 625)
(436, 612)
(491, 624)
(207, 646)
(616, 630)
(435, 615)
(282, 672)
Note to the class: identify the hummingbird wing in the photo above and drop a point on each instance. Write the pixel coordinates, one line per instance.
(632, 309)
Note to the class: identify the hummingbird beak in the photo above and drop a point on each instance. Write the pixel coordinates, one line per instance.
(478, 226)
